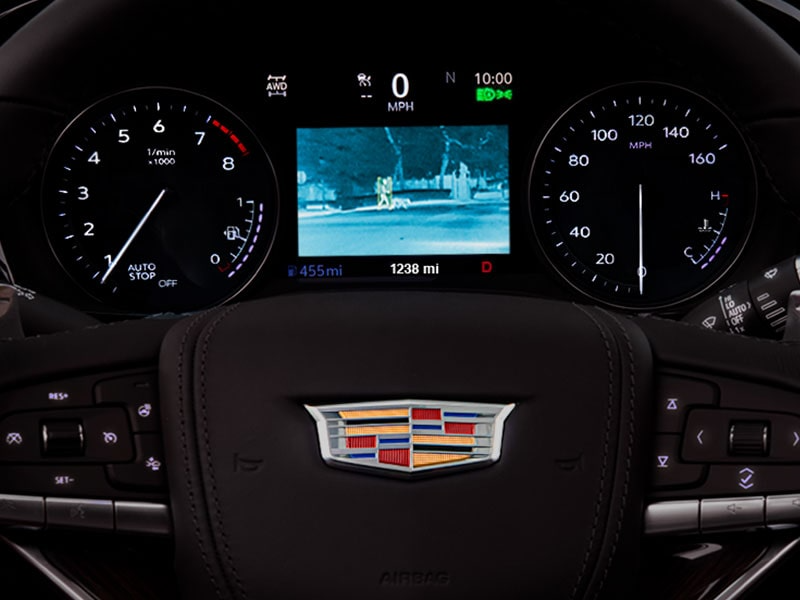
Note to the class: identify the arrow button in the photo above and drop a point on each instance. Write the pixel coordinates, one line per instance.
(746, 476)
(667, 467)
(738, 513)
(706, 437)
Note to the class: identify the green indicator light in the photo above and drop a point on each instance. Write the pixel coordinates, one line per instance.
(487, 94)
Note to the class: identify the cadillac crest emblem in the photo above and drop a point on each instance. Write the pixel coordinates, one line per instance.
(410, 436)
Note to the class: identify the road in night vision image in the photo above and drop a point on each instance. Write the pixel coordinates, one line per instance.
(405, 191)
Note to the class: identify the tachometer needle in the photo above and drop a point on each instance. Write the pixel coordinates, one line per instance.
(133, 235)
(641, 271)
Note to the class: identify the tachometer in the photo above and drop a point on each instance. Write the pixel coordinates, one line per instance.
(159, 199)
(642, 194)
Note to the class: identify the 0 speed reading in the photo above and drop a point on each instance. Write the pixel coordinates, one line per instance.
(409, 268)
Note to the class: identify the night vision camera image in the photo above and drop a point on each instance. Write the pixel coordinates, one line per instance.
(405, 191)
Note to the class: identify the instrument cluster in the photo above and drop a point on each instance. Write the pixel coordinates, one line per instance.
(630, 183)
(639, 195)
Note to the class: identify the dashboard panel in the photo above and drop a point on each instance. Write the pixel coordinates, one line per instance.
(379, 166)
(220, 223)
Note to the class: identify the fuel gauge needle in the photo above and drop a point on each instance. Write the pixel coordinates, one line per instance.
(641, 271)
(132, 236)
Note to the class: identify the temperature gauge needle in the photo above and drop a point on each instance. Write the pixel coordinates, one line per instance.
(641, 271)
(133, 235)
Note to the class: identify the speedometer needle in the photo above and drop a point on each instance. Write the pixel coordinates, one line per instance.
(641, 271)
(133, 235)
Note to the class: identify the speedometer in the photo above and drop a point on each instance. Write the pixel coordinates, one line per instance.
(642, 194)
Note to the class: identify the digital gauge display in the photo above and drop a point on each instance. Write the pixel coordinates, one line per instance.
(642, 195)
(638, 196)
(159, 199)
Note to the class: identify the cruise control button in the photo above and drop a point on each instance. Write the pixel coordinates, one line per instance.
(138, 393)
(62, 437)
(108, 437)
(19, 438)
(147, 471)
(55, 480)
(748, 438)
(58, 394)
(80, 513)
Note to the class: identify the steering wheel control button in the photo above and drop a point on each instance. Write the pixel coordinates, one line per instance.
(147, 471)
(56, 480)
(27, 511)
(752, 478)
(80, 513)
(785, 438)
(675, 396)
(138, 394)
(108, 437)
(720, 435)
(142, 517)
(706, 436)
(679, 516)
(73, 435)
(783, 509)
(19, 438)
(668, 470)
(748, 438)
(720, 514)
(62, 438)
(68, 393)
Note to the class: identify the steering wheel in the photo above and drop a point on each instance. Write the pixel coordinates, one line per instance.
(201, 424)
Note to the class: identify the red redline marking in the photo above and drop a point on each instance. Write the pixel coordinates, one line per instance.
(231, 136)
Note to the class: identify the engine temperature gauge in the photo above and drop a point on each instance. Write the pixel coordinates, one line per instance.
(642, 195)
(158, 199)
